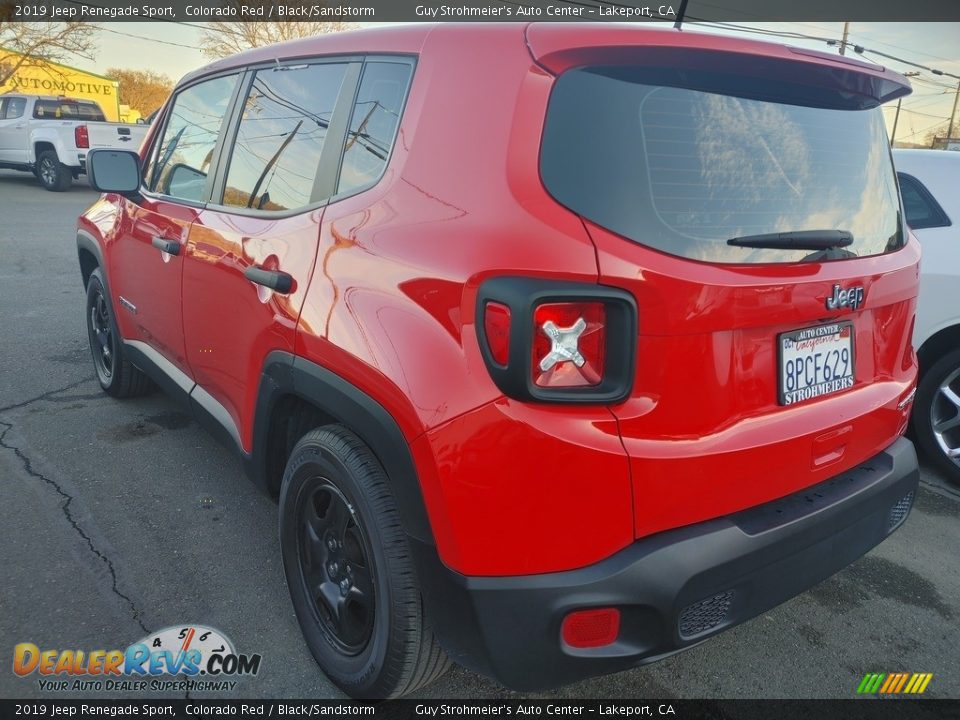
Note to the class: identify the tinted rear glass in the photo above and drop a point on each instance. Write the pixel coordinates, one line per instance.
(57, 110)
(684, 170)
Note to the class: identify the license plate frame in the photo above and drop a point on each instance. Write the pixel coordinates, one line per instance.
(831, 331)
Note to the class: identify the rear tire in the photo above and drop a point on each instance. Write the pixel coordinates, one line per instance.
(53, 174)
(349, 569)
(936, 415)
(117, 375)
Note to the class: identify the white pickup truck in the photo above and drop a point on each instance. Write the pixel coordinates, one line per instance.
(50, 136)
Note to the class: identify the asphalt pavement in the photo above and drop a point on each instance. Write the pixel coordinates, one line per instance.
(119, 518)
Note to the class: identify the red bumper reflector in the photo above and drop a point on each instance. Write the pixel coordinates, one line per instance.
(591, 628)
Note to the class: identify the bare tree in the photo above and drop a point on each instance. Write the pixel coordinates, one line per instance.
(143, 90)
(931, 135)
(34, 44)
(227, 38)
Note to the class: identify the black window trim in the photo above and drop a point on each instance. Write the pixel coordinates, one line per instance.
(240, 73)
(410, 60)
(331, 158)
(342, 106)
(7, 101)
(941, 219)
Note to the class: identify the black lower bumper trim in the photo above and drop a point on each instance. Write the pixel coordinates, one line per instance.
(673, 589)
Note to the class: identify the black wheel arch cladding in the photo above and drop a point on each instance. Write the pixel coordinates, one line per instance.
(285, 374)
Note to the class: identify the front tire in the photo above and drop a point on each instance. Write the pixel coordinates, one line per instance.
(53, 174)
(349, 569)
(936, 415)
(117, 375)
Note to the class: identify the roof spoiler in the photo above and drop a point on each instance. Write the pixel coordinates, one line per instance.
(745, 68)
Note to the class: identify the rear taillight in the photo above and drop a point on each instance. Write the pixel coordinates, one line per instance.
(569, 344)
(81, 137)
(555, 341)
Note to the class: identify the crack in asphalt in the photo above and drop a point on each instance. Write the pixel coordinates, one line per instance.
(65, 506)
(45, 396)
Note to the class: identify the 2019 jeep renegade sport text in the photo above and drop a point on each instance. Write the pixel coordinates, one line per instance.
(562, 347)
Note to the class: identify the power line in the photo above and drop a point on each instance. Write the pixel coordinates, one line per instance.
(150, 39)
(859, 49)
(929, 127)
(917, 112)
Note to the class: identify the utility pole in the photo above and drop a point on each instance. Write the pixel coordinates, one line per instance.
(953, 113)
(896, 118)
(846, 34)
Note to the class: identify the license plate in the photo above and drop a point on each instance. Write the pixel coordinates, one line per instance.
(815, 361)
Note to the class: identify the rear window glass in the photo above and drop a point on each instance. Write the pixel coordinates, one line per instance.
(59, 110)
(683, 170)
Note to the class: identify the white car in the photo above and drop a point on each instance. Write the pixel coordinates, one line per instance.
(930, 186)
(51, 136)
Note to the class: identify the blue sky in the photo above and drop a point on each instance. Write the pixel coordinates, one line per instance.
(175, 50)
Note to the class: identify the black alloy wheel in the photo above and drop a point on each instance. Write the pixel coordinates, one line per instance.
(350, 570)
(102, 340)
(334, 562)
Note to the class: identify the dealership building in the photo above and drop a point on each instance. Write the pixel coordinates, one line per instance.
(49, 78)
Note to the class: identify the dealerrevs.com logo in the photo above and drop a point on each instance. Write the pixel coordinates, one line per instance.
(175, 658)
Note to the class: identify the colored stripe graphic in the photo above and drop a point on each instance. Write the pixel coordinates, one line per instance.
(889, 681)
(894, 683)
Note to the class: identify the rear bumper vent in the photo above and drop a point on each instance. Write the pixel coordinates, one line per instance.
(899, 512)
(705, 615)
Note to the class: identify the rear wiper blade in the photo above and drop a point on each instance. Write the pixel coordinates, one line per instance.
(798, 240)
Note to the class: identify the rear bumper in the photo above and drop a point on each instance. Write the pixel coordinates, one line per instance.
(673, 589)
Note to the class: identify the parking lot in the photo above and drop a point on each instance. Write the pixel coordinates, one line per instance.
(121, 518)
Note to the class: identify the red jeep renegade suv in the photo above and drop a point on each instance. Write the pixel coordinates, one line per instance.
(562, 347)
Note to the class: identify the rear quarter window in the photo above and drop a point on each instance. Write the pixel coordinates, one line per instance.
(683, 170)
(920, 207)
(376, 116)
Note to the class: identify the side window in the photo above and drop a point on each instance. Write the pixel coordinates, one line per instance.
(373, 126)
(276, 154)
(15, 108)
(919, 206)
(182, 159)
(44, 109)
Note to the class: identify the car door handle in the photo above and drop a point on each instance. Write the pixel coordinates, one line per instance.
(171, 247)
(273, 279)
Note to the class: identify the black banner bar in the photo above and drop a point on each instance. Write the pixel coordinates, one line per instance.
(476, 10)
(565, 709)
